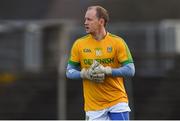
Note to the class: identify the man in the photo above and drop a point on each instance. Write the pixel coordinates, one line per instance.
(103, 61)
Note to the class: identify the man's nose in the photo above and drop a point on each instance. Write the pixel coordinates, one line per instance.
(85, 22)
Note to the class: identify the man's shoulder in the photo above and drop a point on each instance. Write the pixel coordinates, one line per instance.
(115, 37)
(83, 37)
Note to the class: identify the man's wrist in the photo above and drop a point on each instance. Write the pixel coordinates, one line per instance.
(108, 70)
(83, 73)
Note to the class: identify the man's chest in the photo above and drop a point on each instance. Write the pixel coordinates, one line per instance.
(104, 54)
(97, 51)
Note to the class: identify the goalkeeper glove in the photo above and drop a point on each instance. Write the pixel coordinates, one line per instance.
(91, 75)
(101, 69)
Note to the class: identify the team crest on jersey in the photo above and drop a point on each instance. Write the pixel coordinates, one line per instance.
(98, 51)
(109, 49)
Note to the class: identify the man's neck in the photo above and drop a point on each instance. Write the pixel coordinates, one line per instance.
(99, 35)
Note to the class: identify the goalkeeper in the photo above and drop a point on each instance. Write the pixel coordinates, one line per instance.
(104, 62)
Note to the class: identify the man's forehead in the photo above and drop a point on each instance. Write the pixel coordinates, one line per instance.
(91, 12)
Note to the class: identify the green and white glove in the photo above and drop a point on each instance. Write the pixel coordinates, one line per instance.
(101, 69)
(91, 75)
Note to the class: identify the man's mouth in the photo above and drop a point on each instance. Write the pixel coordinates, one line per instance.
(86, 27)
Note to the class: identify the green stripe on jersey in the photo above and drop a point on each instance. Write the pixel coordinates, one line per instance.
(126, 62)
(73, 63)
(130, 60)
(113, 35)
(128, 52)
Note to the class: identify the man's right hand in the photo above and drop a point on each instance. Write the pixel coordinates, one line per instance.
(91, 75)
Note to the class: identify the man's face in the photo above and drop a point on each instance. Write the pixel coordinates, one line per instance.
(92, 23)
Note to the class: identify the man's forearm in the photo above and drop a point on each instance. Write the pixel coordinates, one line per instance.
(72, 72)
(124, 71)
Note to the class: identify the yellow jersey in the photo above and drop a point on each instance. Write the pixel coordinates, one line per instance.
(111, 51)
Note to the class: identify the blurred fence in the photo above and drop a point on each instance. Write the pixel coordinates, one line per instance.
(33, 58)
(31, 70)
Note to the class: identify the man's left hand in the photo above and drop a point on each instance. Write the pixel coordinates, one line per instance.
(101, 69)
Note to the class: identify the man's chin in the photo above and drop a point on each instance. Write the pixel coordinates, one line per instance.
(88, 32)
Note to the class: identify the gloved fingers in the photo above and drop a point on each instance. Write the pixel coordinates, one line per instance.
(98, 69)
(98, 77)
(94, 64)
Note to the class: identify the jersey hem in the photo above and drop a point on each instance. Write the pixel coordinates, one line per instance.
(107, 106)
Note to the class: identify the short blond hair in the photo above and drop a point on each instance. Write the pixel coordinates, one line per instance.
(101, 13)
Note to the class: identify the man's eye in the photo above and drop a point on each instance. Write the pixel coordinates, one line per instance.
(89, 19)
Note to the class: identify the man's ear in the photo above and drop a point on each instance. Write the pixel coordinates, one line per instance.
(101, 20)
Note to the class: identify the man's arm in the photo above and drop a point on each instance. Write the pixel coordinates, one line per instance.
(127, 70)
(73, 72)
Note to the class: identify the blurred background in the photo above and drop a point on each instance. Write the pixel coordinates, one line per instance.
(35, 41)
